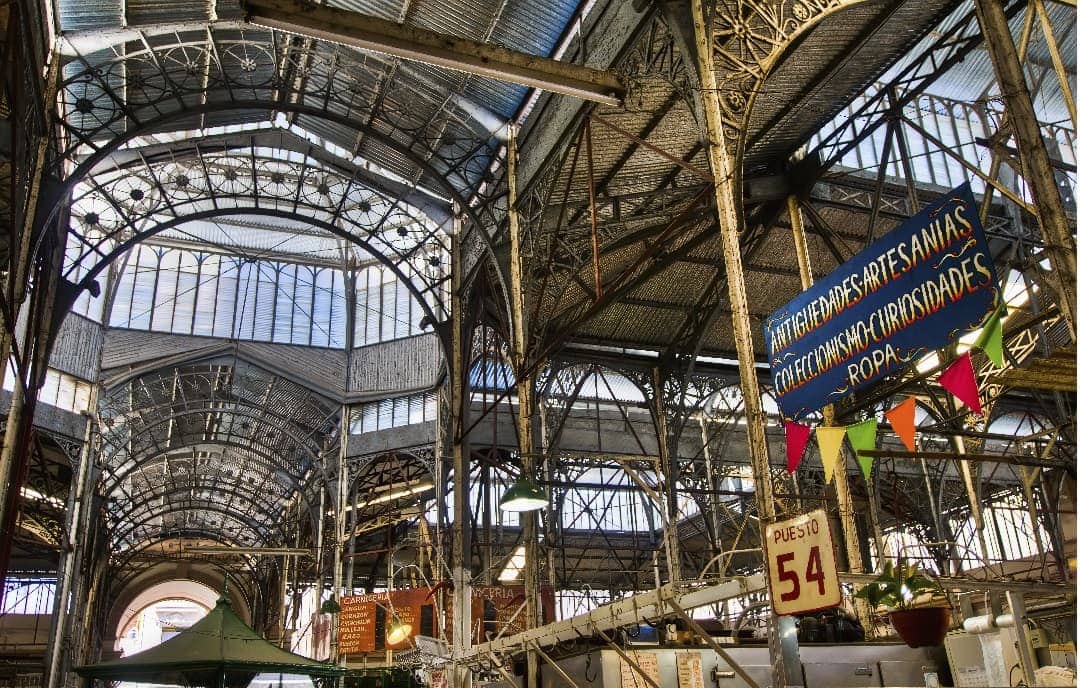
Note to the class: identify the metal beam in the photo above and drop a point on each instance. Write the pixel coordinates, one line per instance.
(442, 50)
(1034, 158)
(974, 585)
(649, 605)
(725, 165)
(525, 385)
(1011, 459)
(86, 41)
(259, 551)
(711, 642)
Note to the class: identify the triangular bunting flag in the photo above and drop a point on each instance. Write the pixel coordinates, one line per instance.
(902, 419)
(863, 437)
(797, 435)
(990, 341)
(959, 380)
(829, 440)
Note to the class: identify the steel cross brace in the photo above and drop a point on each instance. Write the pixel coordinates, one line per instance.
(626, 658)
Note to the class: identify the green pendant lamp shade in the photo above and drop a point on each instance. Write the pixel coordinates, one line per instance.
(523, 495)
(330, 606)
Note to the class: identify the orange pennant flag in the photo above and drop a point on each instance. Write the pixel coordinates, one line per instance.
(902, 419)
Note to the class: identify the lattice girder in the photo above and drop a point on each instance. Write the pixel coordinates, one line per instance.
(179, 443)
(190, 77)
(118, 207)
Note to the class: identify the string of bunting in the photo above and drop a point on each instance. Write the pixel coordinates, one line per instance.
(958, 379)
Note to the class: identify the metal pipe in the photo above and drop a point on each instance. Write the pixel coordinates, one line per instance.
(597, 284)
(717, 648)
(848, 528)
(460, 553)
(726, 553)
(728, 193)
(442, 50)
(524, 384)
(75, 541)
(555, 665)
(625, 612)
(1034, 158)
(630, 660)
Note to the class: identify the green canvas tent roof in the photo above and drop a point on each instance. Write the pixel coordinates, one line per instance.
(219, 650)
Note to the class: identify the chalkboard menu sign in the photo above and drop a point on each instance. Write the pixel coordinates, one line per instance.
(365, 619)
(495, 610)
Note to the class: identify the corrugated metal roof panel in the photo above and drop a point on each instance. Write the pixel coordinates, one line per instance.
(974, 77)
(499, 96)
(159, 11)
(680, 284)
(91, 14)
(837, 60)
(390, 10)
(519, 24)
(533, 27)
(464, 18)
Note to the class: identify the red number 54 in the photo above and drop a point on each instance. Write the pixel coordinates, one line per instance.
(813, 573)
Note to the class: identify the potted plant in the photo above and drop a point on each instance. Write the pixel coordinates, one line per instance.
(913, 601)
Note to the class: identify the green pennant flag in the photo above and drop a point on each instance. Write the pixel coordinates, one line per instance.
(990, 340)
(863, 437)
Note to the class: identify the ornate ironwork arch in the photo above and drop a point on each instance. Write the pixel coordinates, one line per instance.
(263, 457)
(281, 427)
(132, 523)
(135, 202)
(115, 484)
(256, 71)
(251, 423)
(128, 582)
(421, 295)
(422, 457)
(749, 39)
(217, 78)
(86, 167)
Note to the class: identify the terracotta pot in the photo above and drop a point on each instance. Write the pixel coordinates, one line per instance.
(921, 626)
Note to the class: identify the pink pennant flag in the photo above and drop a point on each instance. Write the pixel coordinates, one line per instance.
(959, 380)
(797, 435)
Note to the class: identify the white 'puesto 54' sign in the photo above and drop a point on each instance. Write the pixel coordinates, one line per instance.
(801, 564)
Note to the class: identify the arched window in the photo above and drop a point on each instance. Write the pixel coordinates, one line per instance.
(182, 291)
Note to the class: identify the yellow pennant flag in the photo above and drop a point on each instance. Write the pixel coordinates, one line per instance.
(829, 440)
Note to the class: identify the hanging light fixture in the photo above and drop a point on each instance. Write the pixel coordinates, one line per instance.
(523, 495)
(398, 631)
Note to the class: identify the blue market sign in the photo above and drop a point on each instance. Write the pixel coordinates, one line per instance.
(914, 290)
